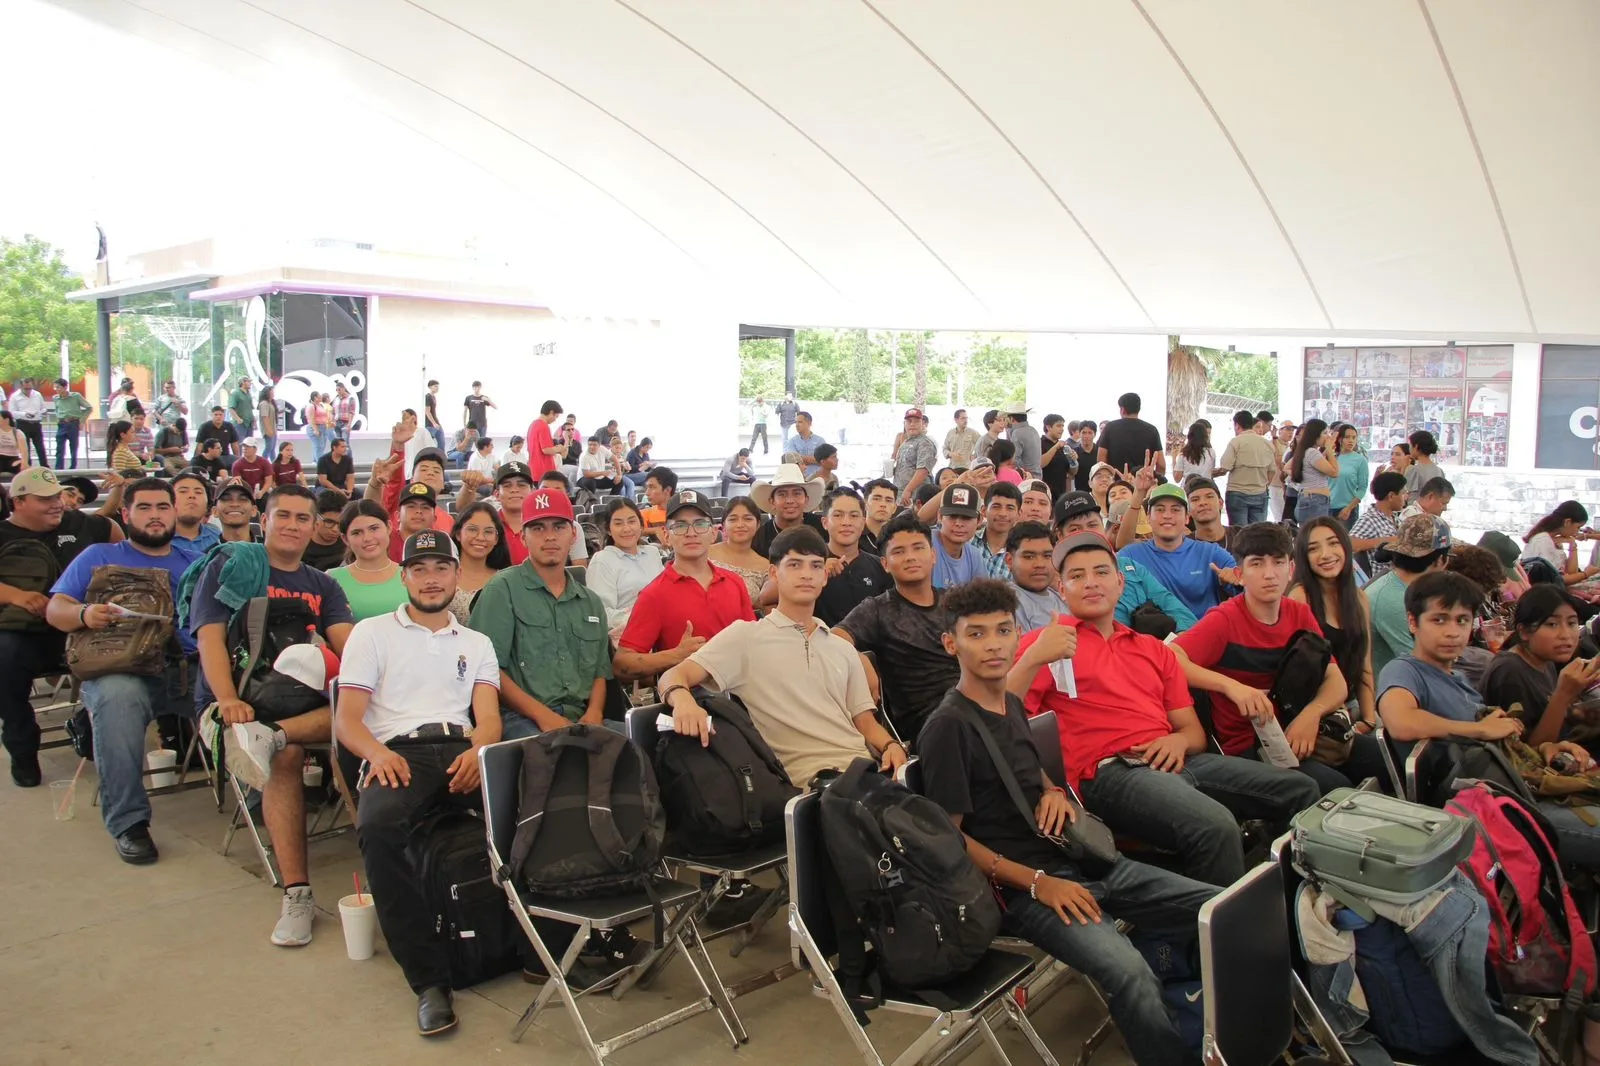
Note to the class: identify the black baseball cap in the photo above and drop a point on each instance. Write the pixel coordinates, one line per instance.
(90, 493)
(1073, 504)
(418, 491)
(429, 544)
(960, 501)
(691, 499)
(235, 484)
(511, 469)
(428, 453)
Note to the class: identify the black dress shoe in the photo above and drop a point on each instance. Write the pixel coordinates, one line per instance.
(136, 848)
(435, 1014)
(25, 772)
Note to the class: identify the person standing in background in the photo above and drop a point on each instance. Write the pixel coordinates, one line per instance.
(267, 418)
(344, 411)
(1083, 448)
(961, 443)
(242, 409)
(169, 406)
(430, 414)
(758, 424)
(1127, 440)
(994, 424)
(1344, 498)
(117, 408)
(1060, 459)
(544, 454)
(475, 409)
(70, 409)
(27, 410)
(788, 411)
(1026, 438)
(1286, 496)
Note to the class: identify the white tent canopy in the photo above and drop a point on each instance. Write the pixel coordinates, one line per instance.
(1381, 167)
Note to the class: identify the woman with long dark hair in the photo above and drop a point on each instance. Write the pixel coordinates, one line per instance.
(480, 538)
(1554, 538)
(1196, 456)
(370, 579)
(1325, 580)
(622, 568)
(735, 551)
(1311, 469)
(1344, 496)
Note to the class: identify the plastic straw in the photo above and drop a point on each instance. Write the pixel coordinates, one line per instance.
(356, 877)
(72, 789)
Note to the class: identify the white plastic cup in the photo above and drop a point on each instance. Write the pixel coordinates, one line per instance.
(162, 759)
(360, 921)
(311, 776)
(63, 799)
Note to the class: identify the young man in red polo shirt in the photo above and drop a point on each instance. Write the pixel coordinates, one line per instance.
(1132, 743)
(1233, 653)
(688, 603)
(544, 454)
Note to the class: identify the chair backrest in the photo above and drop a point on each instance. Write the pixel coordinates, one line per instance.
(500, 776)
(579, 574)
(1246, 966)
(803, 827)
(641, 725)
(1046, 731)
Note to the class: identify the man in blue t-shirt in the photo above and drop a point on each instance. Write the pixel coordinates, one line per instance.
(267, 752)
(1192, 570)
(122, 706)
(955, 559)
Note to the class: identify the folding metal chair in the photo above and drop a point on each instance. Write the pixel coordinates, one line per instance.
(62, 690)
(980, 996)
(727, 870)
(1245, 968)
(500, 768)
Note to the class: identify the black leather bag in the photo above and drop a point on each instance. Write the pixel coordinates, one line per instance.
(80, 733)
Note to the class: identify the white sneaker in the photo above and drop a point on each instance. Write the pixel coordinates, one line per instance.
(251, 750)
(294, 924)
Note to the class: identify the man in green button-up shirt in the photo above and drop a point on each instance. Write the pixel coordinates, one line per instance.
(548, 631)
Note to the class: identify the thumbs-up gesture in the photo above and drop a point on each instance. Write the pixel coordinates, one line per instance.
(690, 643)
(1056, 641)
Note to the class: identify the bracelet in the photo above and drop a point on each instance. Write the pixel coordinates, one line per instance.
(666, 697)
(1033, 889)
(994, 866)
(1056, 788)
(83, 609)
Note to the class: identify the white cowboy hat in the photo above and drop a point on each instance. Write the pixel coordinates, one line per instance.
(787, 474)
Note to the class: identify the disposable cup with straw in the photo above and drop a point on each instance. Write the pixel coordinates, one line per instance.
(62, 794)
(360, 921)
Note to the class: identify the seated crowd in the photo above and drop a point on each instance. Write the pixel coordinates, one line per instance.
(883, 620)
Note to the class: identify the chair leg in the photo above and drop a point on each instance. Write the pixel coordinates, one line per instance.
(993, 1041)
(242, 814)
(769, 907)
(689, 938)
(1019, 1019)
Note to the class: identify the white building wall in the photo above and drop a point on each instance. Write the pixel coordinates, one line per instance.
(1077, 375)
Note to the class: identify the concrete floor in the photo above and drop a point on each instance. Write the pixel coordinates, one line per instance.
(103, 962)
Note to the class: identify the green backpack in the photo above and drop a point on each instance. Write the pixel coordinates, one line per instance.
(30, 565)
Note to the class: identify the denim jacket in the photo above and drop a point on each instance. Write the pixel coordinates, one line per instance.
(1449, 930)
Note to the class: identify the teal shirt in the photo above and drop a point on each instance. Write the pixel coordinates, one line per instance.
(70, 405)
(554, 649)
(1391, 633)
(1140, 586)
(243, 408)
(370, 600)
(1351, 484)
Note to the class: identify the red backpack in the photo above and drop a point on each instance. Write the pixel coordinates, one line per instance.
(1538, 944)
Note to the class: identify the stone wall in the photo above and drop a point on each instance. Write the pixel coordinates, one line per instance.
(1512, 501)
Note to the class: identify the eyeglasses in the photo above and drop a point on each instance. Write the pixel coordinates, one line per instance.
(699, 525)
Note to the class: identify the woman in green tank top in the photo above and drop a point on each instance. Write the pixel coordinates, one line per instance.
(370, 579)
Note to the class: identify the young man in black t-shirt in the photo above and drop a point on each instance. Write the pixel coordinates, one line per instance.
(326, 549)
(903, 629)
(1068, 909)
(337, 469)
(475, 409)
(1129, 441)
(208, 457)
(218, 429)
(27, 642)
(853, 575)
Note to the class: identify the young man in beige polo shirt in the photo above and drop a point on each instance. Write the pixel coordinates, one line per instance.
(1248, 460)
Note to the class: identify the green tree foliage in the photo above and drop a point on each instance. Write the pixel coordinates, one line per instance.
(35, 315)
(1242, 374)
(850, 364)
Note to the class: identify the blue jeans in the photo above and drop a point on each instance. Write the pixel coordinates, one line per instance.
(67, 438)
(121, 708)
(636, 481)
(1578, 841)
(1194, 812)
(1311, 505)
(437, 434)
(515, 727)
(269, 447)
(1246, 507)
(1158, 903)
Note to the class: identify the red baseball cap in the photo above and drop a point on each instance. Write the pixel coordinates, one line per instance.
(546, 503)
(915, 412)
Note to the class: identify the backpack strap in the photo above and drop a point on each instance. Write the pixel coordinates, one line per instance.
(602, 756)
(1002, 768)
(741, 763)
(534, 781)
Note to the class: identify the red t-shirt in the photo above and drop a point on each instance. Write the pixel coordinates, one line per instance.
(1126, 687)
(254, 472)
(1234, 643)
(540, 464)
(670, 602)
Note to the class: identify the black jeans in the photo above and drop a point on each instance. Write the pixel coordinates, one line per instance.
(384, 820)
(34, 432)
(24, 654)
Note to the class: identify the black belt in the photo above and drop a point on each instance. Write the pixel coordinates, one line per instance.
(431, 733)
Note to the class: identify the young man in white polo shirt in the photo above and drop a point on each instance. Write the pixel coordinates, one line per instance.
(411, 685)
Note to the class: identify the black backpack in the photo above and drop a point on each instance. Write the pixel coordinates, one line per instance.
(479, 933)
(589, 821)
(27, 563)
(1301, 668)
(727, 797)
(906, 880)
(257, 633)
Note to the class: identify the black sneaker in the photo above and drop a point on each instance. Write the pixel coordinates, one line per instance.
(135, 847)
(25, 772)
(616, 949)
(736, 908)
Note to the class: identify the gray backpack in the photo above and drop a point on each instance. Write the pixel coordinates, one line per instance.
(1370, 846)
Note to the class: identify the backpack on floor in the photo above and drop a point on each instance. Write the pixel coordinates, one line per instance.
(589, 820)
(906, 880)
(27, 564)
(258, 632)
(137, 646)
(470, 915)
(1538, 944)
(726, 797)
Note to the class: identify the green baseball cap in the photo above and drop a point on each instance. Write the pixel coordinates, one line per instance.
(1169, 491)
